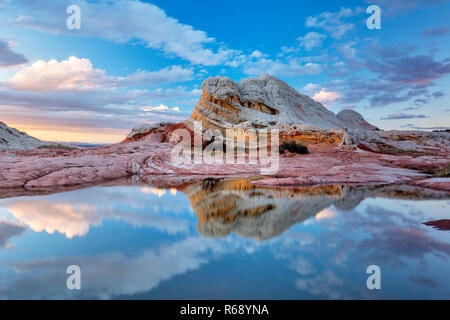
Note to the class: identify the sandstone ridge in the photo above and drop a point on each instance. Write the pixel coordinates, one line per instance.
(11, 138)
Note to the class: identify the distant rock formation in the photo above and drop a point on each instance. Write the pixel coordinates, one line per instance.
(143, 131)
(398, 141)
(443, 224)
(353, 120)
(14, 139)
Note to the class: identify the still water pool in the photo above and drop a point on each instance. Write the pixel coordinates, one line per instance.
(225, 239)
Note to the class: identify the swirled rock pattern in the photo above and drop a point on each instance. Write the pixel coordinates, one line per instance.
(258, 103)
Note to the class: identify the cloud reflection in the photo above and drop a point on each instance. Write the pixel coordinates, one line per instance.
(74, 213)
(7, 231)
(108, 275)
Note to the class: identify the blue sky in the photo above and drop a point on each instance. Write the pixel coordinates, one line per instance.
(138, 62)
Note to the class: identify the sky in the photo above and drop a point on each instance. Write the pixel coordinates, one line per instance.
(134, 62)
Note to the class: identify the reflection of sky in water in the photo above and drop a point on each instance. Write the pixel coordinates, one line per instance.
(143, 242)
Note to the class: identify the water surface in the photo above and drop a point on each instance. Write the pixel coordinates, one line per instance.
(225, 238)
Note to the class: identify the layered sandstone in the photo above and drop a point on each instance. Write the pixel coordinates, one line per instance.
(258, 103)
(262, 103)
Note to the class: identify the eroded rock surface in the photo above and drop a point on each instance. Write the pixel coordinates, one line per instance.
(355, 121)
(261, 103)
(11, 138)
(331, 165)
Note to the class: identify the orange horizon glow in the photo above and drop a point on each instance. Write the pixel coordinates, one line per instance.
(81, 135)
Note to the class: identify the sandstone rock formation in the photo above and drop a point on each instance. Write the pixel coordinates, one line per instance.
(156, 131)
(353, 120)
(264, 103)
(398, 142)
(258, 103)
(11, 138)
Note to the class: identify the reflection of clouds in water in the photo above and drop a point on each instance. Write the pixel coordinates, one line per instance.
(392, 236)
(113, 274)
(69, 219)
(328, 213)
(157, 191)
(73, 213)
(325, 283)
(392, 247)
(7, 231)
(76, 219)
(423, 281)
(303, 266)
(348, 244)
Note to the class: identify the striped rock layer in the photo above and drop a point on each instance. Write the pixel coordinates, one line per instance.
(268, 103)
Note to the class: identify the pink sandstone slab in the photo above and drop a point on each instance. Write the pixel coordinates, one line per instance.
(323, 165)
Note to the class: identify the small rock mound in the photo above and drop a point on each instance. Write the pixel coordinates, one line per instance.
(156, 132)
(14, 139)
(443, 224)
(353, 120)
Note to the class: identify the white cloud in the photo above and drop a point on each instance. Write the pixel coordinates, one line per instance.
(12, 43)
(196, 92)
(257, 54)
(291, 68)
(332, 22)
(310, 89)
(160, 108)
(166, 75)
(349, 53)
(70, 74)
(79, 74)
(326, 97)
(180, 92)
(123, 21)
(311, 40)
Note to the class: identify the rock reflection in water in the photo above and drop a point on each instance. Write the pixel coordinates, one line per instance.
(235, 205)
(222, 205)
